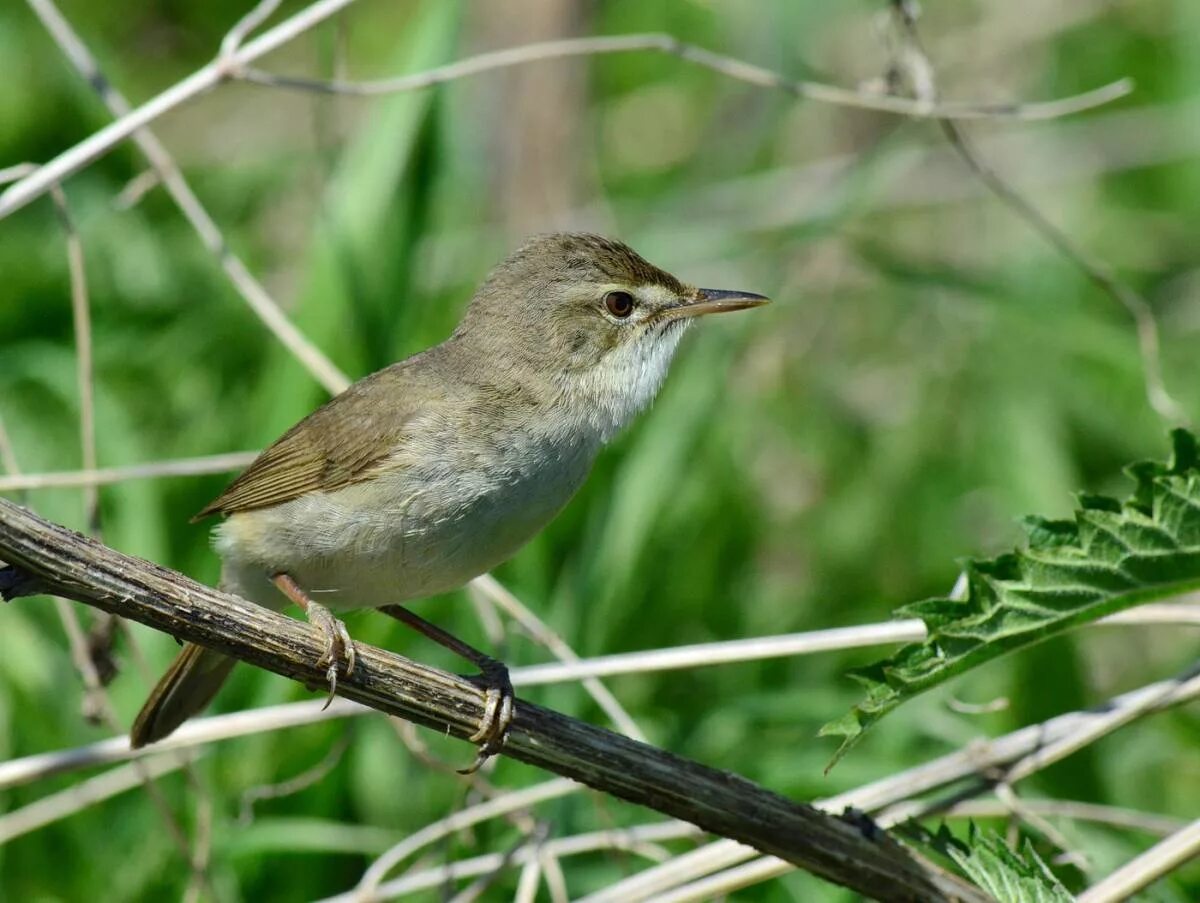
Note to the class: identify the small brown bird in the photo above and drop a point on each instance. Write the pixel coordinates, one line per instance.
(430, 472)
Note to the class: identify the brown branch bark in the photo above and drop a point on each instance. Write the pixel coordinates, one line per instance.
(45, 557)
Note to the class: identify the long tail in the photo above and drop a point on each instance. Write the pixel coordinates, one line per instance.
(188, 686)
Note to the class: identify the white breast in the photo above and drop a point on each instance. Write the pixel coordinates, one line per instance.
(413, 532)
(447, 511)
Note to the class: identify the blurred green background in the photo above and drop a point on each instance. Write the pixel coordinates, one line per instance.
(930, 371)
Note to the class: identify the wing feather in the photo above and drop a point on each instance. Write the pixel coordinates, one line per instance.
(339, 444)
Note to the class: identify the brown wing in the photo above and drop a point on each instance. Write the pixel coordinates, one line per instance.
(336, 445)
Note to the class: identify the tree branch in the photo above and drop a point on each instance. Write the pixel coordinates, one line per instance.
(235, 64)
(50, 558)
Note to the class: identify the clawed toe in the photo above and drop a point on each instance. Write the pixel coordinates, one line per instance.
(497, 715)
(338, 646)
(498, 701)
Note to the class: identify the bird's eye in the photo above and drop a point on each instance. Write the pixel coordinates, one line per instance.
(619, 304)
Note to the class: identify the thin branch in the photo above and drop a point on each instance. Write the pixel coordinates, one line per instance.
(131, 123)
(197, 732)
(136, 189)
(74, 159)
(94, 705)
(807, 643)
(722, 883)
(62, 562)
(556, 881)
(1097, 271)
(201, 842)
(639, 840)
(1178, 614)
(78, 797)
(1114, 816)
(179, 467)
(985, 763)
(84, 367)
(242, 28)
(16, 172)
(8, 454)
(729, 66)
(216, 728)
(491, 588)
(912, 56)
(648, 884)
(532, 841)
(1020, 814)
(368, 885)
(1049, 753)
(728, 651)
(302, 781)
(87, 151)
(1142, 871)
(527, 884)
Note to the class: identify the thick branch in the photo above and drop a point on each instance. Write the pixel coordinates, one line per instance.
(53, 559)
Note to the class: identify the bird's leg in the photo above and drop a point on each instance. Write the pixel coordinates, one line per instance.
(498, 708)
(338, 645)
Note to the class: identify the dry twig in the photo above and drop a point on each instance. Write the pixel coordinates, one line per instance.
(86, 657)
(912, 60)
(132, 124)
(982, 765)
(1139, 873)
(78, 797)
(729, 66)
(216, 728)
(71, 161)
(46, 557)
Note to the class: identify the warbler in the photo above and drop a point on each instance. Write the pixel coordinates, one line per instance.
(433, 470)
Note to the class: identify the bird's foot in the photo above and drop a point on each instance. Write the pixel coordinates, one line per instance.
(338, 645)
(498, 703)
(497, 713)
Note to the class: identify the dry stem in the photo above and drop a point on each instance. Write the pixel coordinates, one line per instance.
(50, 558)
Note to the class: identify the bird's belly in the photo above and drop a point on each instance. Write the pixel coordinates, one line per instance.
(386, 540)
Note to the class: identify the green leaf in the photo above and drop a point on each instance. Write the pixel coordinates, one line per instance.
(987, 860)
(1111, 556)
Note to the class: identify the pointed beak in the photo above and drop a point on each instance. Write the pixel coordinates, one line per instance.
(714, 301)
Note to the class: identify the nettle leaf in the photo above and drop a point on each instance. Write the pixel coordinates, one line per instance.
(1003, 873)
(1112, 556)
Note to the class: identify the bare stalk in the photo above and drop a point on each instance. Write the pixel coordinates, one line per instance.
(132, 123)
(204, 79)
(1142, 871)
(729, 66)
(45, 557)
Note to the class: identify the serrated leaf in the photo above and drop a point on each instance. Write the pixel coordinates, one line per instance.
(1112, 556)
(985, 858)
(1004, 874)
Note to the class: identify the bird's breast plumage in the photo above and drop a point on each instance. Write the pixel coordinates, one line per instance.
(428, 521)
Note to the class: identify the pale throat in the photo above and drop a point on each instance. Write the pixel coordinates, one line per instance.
(608, 396)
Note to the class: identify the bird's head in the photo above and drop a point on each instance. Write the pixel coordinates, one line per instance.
(590, 316)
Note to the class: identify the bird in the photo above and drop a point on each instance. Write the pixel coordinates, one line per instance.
(436, 469)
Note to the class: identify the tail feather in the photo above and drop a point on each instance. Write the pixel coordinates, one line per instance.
(188, 686)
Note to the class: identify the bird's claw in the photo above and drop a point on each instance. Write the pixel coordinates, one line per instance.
(338, 646)
(497, 715)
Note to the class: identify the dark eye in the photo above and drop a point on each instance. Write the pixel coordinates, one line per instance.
(619, 304)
